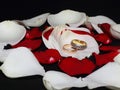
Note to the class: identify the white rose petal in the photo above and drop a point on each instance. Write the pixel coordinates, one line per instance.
(36, 21)
(11, 32)
(70, 17)
(21, 62)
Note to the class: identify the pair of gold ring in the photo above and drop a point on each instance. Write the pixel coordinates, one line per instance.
(75, 45)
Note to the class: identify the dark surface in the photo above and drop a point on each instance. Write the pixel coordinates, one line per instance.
(27, 9)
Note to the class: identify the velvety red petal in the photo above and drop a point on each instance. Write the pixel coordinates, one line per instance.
(109, 48)
(80, 32)
(73, 66)
(54, 53)
(42, 57)
(106, 28)
(48, 57)
(33, 33)
(103, 38)
(31, 44)
(105, 58)
(47, 34)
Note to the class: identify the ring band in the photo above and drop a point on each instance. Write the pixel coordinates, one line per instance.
(78, 44)
(68, 48)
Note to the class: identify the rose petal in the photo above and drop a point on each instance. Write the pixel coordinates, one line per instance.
(103, 38)
(105, 58)
(11, 32)
(47, 33)
(36, 21)
(78, 29)
(55, 80)
(108, 75)
(99, 19)
(33, 33)
(96, 28)
(95, 20)
(42, 57)
(48, 57)
(73, 66)
(54, 53)
(115, 31)
(105, 28)
(109, 48)
(80, 32)
(20, 62)
(61, 36)
(70, 17)
(4, 54)
(31, 44)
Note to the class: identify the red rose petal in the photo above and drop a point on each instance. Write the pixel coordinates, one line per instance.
(47, 34)
(42, 57)
(105, 58)
(103, 38)
(54, 53)
(106, 28)
(31, 44)
(48, 57)
(33, 33)
(109, 48)
(73, 66)
(80, 32)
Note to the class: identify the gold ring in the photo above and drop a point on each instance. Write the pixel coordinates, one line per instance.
(68, 48)
(78, 44)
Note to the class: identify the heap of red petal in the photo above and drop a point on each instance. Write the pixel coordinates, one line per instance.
(69, 65)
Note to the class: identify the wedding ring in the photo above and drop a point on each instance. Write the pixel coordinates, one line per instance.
(68, 48)
(78, 44)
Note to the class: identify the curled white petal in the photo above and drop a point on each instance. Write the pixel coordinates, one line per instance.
(115, 31)
(61, 36)
(11, 32)
(2, 46)
(100, 19)
(21, 62)
(79, 29)
(55, 80)
(108, 75)
(4, 54)
(98, 29)
(70, 17)
(36, 21)
(47, 42)
(117, 58)
(95, 20)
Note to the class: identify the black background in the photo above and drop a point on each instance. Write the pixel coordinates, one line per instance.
(10, 10)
